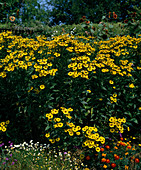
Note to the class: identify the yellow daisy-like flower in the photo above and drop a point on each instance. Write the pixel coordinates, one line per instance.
(78, 133)
(58, 119)
(82, 156)
(3, 129)
(131, 85)
(111, 82)
(7, 122)
(47, 135)
(112, 130)
(114, 95)
(97, 149)
(57, 139)
(70, 109)
(60, 124)
(2, 123)
(139, 108)
(42, 86)
(123, 120)
(112, 119)
(111, 124)
(89, 91)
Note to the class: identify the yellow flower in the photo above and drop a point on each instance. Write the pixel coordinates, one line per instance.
(139, 108)
(128, 128)
(89, 91)
(114, 95)
(131, 85)
(3, 129)
(97, 149)
(112, 130)
(57, 139)
(100, 99)
(42, 86)
(78, 133)
(7, 122)
(111, 82)
(60, 124)
(81, 156)
(112, 119)
(47, 135)
(111, 124)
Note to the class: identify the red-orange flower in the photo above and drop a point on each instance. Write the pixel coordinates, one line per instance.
(107, 147)
(88, 158)
(107, 160)
(102, 149)
(87, 22)
(113, 165)
(125, 21)
(115, 16)
(137, 160)
(84, 17)
(116, 157)
(129, 147)
(103, 160)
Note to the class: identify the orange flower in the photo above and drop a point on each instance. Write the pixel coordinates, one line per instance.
(126, 167)
(87, 22)
(103, 160)
(84, 17)
(103, 154)
(116, 147)
(12, 18)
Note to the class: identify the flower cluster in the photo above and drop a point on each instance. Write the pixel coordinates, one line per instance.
(3, 125)
(90, 132)
(117, 123)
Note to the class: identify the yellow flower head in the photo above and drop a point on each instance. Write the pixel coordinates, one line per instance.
(111, 82)
(42, 86)
(89, 91)
(131, 85)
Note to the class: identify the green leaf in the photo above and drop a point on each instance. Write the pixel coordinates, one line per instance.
(134, 120)
(86, 114)
(92, 31)
(48, 127)
(83, 102)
